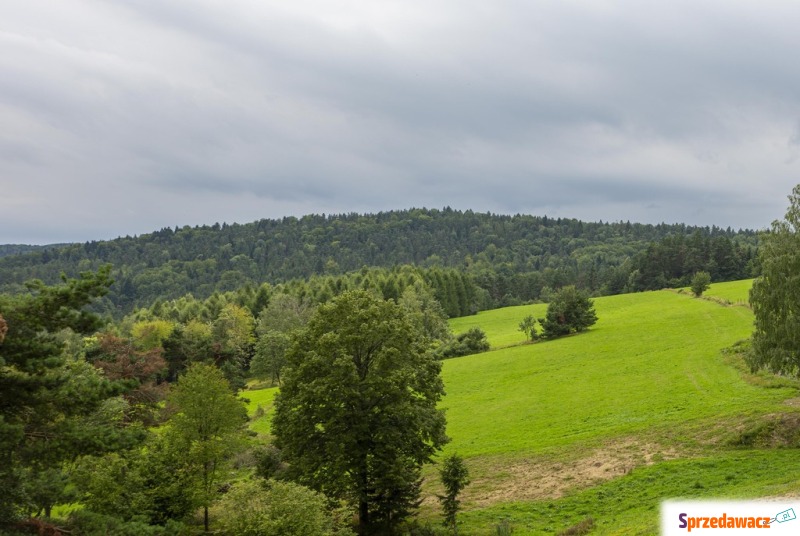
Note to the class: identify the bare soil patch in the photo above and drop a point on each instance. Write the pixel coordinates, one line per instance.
(535, 479)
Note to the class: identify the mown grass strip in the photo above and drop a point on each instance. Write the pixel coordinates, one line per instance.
(630, 504)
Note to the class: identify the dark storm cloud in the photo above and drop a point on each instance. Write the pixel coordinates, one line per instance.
(123, 117)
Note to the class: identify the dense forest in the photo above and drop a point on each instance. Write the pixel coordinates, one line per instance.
(17, 249)
(509, 259)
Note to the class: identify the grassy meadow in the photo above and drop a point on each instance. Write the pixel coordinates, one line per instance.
(605, 424)
(501, 325)
(259, 408)
(736, 292)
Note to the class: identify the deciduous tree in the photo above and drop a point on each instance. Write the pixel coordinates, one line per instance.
(234, 337)
(207, 426)
(119, 359)
(775, 296)
(528, 327)
(277, 323)
(569, 310)
(270, 356)
(701, 281)
(357, 414)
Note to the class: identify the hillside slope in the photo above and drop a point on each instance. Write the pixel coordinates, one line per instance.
(514, 258)
(643, 407)
(606, 424)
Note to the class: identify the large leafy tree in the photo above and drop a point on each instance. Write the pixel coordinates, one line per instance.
(52, 406)
(356, 417)
(207, 427)
(775, 296)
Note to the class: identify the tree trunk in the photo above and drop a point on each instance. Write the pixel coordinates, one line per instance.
(363, 518)
(205, 493)
(363, 498)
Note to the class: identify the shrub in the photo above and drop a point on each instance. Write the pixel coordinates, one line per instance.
(467, 343)
(251, 508)
(570, 310)
(579, 529)
(91, 524)
(504, 528)
(269, 462)
(700, 283)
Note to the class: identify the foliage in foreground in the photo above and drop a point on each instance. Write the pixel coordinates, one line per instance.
(88, 523)
(252, 508)
(53, 408)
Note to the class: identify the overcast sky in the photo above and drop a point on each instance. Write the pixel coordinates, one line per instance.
(123, 117)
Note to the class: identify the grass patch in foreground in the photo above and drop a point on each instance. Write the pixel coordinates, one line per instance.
(630, 504)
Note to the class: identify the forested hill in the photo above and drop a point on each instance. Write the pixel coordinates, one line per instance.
(16, 249)
(513, 258)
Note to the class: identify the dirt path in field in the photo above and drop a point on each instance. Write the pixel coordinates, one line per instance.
(532, 479)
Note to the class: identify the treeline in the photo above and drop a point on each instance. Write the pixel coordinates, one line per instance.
(673, 261)
(453, 289)
(246, 329)
(510, 259)
(19, 249)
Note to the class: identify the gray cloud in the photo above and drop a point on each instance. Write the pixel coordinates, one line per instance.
(124, 117)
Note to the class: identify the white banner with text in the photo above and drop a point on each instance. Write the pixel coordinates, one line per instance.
(707, 518)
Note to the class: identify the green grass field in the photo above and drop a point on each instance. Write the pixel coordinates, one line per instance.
(642, 407)
(630, 504)
(736, 292)
(653, 359)
(646, 384)
(500, 325)
(260, 421)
